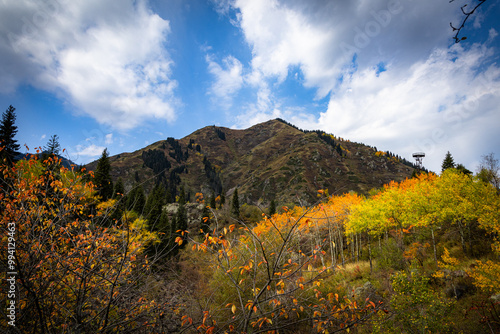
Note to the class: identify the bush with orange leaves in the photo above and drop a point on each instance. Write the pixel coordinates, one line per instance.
(72, 273)
(264, 280)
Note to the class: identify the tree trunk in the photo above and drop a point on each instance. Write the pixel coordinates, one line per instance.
(370, 252)
(434, 246)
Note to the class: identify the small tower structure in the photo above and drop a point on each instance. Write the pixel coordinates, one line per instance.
(419, 157)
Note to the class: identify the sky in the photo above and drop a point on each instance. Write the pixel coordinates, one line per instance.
(123, 74)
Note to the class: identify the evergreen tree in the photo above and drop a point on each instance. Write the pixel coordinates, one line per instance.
(7, 132)
(119, 189)
(182, 196)
(461, 168)
(235, 208)
(213, 204)
(166, 233)
(448, 162)
(136, 199)
(272, 207)
(168, 196)
(53, 146)
(102, 177)
(139, 200)
(154, 205)
(158, 222)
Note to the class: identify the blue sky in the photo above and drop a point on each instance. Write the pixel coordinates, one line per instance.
(124, 74)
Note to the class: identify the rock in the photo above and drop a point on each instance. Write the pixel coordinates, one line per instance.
(496, 298)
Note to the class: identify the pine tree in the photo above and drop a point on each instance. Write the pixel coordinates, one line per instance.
(235, 208)
(272, 207)
(139, 200)
(213, 203)
(166, 233)
(102, 177)
(154, 205)
(448, 162)
(53, 146)
(7, 132)
(182, 196)
(119, 189)
(461, 168)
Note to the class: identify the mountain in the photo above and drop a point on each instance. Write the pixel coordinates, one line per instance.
(271, 160)
(27, 156)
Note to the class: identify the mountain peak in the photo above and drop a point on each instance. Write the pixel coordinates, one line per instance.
(270, 160)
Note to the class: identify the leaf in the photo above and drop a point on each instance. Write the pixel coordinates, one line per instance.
(233, 309)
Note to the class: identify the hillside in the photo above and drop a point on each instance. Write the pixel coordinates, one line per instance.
(271, 160)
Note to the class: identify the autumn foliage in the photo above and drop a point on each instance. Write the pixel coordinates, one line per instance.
(399, 259)
(73, 274)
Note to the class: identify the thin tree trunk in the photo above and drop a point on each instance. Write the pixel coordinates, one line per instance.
(342, 247)
(370, 252)
(462, 239)
(434, 246)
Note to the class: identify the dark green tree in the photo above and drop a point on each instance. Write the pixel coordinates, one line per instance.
(213, 203)
(461, 168)
(139, 201)
(448, 162)
(102, 178)
(7, 133)
(158, 222)
(168, 196)
(53, 146)
(154, 205)
(272, 207)
(166, 232)
(235, 207)
(182, 196)
(136, 199)
(119, 189)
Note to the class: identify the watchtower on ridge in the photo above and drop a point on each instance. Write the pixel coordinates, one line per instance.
(419, 156)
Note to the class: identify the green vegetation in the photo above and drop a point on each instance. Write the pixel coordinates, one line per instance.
(416, 256)
(8, 130)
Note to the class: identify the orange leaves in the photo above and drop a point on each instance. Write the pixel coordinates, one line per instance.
(179, 240)
(186, 320)
(68, 260)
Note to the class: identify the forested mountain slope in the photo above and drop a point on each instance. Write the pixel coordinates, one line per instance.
(271, 160)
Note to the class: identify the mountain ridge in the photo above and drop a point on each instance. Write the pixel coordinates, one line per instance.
(270, 160)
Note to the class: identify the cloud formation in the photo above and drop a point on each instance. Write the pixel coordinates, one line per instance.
(228, 80)
(388, 68)
(107, 58)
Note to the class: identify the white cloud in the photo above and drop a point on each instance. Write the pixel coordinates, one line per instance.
(228, 80)
(107, 58)
(492, 33)
(436, 105)
(108, 139)
(91, 150)
(321, 37)
(391, 79)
